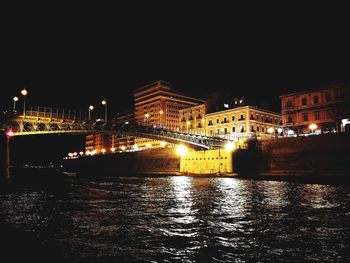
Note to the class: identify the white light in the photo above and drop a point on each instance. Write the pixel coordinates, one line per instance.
(270, 130)
(181, 150)
(24, 92)
(104, 102)
(91, 107)
(226, 106)
(87, 153)
(81, 153)
(112, 149)
(75, 153)
(15, 98)
(230, 146)
(148, 145)
(123, 148)
(279, 130)
(290, 132)
(162, 144)
(103, 150)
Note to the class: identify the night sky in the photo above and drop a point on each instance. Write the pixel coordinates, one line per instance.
(73, 56)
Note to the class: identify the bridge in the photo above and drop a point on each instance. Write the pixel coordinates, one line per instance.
(46, 120)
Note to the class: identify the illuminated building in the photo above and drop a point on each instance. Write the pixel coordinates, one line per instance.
(325, 109)
(243, 122)
(97, 142)
(192, 119)
(158, 104)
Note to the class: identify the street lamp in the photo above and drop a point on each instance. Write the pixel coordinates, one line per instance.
(90, 109)
(312, 127)
(24, 92)
(104, 102)
(15, 99)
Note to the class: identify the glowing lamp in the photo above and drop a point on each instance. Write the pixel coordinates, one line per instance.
(270, 130)
(9, 134)
(181, 150)
(162, 143)
(230, 146)
(312, 126)
(103, 150)
(113, 149)
(123, 148)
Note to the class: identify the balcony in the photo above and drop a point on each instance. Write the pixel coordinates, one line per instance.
(225, 121)
(183, 120)
(210, 124)
(199, 116)
(241, 119)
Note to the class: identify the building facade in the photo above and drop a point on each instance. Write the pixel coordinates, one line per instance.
(97, 143)
(192, 119)
(317, 111)
(158, 104)
(243, 122)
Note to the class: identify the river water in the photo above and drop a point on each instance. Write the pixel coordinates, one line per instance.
(184, 219)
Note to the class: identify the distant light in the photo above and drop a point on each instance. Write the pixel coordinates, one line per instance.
(203, 120)
(91, 107)
(15, 98)
(103, 150)
(81, 153)
(87, 153)
(226, 106)
(181, 150)
(290, 132)
(230, 146)
(279, 130)
(188, 123)
(312, 126)
(70, 154)
(162, 143)
(135, 147)
(146, 115)
(75, 153)
(161, 112)
(10, 133)
(112, 149)
(104, 102)
(123, 148)
(240, 101)
(24, 92)
(126, 122)
(270, 130)
(148, 145)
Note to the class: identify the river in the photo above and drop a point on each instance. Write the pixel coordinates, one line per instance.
(184, 219)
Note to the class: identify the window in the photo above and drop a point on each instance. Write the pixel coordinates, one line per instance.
(317, 115)
(217, 120)
(258, 128)
(225, 130)
(233, 117)
(330, 113)
(305, 116)
(328, 97)
(252, 128)
(315, 99)
(303, 101)
(233, 129)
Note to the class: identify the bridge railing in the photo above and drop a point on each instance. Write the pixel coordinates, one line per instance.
(55, 113)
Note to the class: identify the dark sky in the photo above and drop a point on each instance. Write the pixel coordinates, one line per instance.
(75, 55)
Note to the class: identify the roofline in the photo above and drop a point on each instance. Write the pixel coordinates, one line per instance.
(244, 107)
(317, 89)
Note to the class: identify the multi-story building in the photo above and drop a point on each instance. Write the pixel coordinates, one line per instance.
(158, 104)
(192, 119)
(318, 111)
(243, 122)
(97, 143)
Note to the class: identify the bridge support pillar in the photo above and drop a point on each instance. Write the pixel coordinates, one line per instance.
(4, 157)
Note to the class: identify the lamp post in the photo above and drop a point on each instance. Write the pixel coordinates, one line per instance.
(15, 99)
(104, 103)
(24, 92)
(90, 109)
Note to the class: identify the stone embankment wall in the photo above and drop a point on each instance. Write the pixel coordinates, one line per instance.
(320, 155)
(129, 162)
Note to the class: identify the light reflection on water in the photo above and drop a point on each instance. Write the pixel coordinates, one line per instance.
(186, 219)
